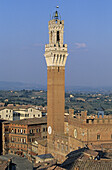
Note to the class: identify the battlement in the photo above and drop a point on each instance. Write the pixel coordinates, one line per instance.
(92, 119)
(56, 22)
(55, 45)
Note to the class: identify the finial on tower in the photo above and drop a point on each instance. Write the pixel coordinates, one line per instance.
(56, 16)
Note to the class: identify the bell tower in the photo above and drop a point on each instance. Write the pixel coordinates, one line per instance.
(55, 55)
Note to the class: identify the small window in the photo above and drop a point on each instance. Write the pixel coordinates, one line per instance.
(43, 129)
(58, 145)
(111, 136)
(62, 147)
(58, 69)
(66, 147)
(12, 139)
(31, 131)
(98, 137)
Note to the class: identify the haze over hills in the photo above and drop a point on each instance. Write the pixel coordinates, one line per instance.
(5, 85)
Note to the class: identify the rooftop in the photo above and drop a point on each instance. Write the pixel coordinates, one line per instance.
(31, 121)
(45, 156)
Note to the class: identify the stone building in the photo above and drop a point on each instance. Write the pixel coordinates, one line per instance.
(72, 132)
(19, 135)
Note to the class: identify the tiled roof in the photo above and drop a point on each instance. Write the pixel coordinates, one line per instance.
(93, 165)
(45, 156)
(30, 121)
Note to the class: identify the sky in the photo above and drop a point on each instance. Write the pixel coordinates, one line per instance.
(88, 33)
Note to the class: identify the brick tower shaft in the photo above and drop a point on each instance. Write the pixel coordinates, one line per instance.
(56, 98)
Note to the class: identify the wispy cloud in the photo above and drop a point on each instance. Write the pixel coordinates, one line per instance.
(80, 45)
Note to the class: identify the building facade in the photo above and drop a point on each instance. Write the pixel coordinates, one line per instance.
(19, 135)
(15, 113)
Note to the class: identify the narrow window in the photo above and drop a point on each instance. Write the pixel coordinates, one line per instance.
(58, 36)
(51, 36)
(98, 137)
(58, 145)
(66, 147)
(63, 58)
(58, 69)
(62, 147)
(54, 58)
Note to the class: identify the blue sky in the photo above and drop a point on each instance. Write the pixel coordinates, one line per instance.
(88, 33)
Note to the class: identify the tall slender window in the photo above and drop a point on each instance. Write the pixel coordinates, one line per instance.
(51, 36)
(58, 36)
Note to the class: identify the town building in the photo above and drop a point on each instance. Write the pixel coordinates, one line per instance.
(19, 135)
(18, 113)
(1, 121)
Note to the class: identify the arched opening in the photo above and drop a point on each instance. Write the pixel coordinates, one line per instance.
(58, 37)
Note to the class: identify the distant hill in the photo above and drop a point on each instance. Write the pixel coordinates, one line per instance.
(20, 86)
(86, 89)
(5, 85)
